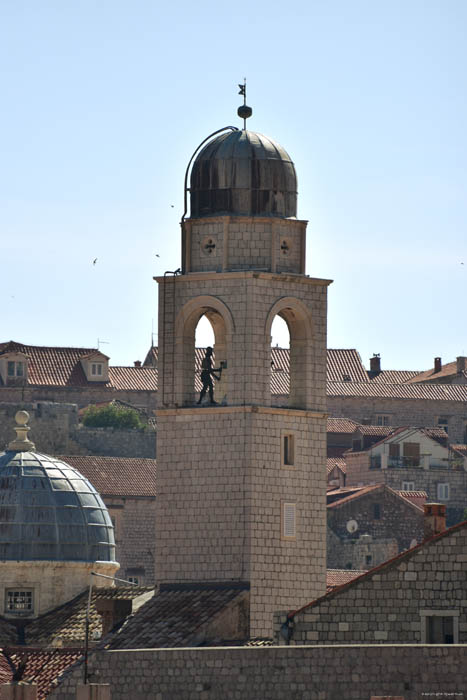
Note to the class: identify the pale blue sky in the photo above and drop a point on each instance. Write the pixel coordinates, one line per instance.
(104, 102)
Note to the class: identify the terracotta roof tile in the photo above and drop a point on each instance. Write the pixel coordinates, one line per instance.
(345, 363)
(447, 370)
(50, 366)
(117, 476)
(337, 577)
(332, 462)
(462, 449)
(418, 498)
(341, 425)
(67, 622)
(393, 376)
(376, 430)
(362, 491)
(436, 392)
(172, 618)
(43, 667)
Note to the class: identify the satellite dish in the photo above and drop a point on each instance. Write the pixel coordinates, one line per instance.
(352, 526)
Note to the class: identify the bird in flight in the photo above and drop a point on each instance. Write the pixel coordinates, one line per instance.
(157, 255)
(94, 261)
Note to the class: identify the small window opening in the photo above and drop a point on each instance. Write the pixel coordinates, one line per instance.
(96, 369)
(376, 511)
(19, 601)
(440, 630)
(368, 559)
(288, 446)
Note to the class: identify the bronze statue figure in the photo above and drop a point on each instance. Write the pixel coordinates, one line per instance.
(207, 372)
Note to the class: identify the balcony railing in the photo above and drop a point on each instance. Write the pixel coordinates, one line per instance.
(416, 463)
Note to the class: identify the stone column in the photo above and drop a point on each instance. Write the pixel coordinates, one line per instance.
(93, 691)
(18, 691)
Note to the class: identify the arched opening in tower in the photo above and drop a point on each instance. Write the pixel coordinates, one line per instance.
(280, 362)
(210, 368)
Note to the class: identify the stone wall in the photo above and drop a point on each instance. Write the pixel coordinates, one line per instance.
(391, 603)
(135, 522)
(275, 673)
(55, 429)
(82, 396)
(413, 412)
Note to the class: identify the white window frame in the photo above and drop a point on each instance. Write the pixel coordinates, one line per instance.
(18, 369)
(439, 613)
(443, 491)
(289, 521)
(408, 486)
(383, 419)
(97, 369)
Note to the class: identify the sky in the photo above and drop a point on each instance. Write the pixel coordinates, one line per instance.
(103, 104)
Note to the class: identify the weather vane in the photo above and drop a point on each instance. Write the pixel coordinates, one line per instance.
(244, 111)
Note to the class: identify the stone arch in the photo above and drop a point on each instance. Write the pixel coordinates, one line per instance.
(298, 318)
(220, 317)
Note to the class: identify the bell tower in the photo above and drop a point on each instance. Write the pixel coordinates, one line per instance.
(241, 484)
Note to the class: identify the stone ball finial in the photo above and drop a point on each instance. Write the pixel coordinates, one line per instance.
(22, 442)
(22, 417)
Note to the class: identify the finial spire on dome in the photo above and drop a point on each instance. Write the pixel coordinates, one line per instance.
(244, 112)
(21, 443)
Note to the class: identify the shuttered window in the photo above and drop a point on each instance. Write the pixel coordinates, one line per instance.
(289, 521)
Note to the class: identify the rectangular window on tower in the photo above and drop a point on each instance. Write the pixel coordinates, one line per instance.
(288, 449)
(289, 524)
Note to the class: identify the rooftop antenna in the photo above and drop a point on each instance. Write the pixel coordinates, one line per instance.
(102, 342)
(244, 112)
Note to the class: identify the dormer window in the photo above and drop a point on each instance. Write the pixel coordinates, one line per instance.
(15, 369)
(96, 369)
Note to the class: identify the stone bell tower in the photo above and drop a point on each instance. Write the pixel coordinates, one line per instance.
(241, 484)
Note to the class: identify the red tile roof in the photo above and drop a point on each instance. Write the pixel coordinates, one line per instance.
(462, 449)
(418, 498)
(345, 363)
(376, 430)
(117, 476)
(337, 577)
(360, 491)
(332, 462)
(49, 366)
(447, 370)
(431, 392)
(341, 425)
(43, 667)
(393, 376)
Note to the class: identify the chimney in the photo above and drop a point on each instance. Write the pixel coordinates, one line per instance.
(137, 363)
(437, 364)
(113, 611)
(435, 519)
(375, 363)
(461, 364)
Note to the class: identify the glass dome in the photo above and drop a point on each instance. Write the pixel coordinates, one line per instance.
(49, 511)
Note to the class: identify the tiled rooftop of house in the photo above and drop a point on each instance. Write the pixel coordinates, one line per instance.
(437, 392)
(461, 449)
(42, 667)
(418, 498)
(117, 476)
(392, 376)
(332, 462)
(344, 426)
(447, 370)
(66, 624)
(337, 577)
(50, 366)
(375, 430)
(173, 618)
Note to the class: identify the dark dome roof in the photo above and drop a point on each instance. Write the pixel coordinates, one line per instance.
(243, 173)
(49, 511)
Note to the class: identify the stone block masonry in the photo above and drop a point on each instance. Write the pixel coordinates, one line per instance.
(355, 672)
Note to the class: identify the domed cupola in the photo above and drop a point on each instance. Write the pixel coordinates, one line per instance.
(243, 195)
(243, 173)
(54, 526)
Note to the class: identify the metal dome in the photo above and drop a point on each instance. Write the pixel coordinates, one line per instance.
(49, 511)
(243, 173)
